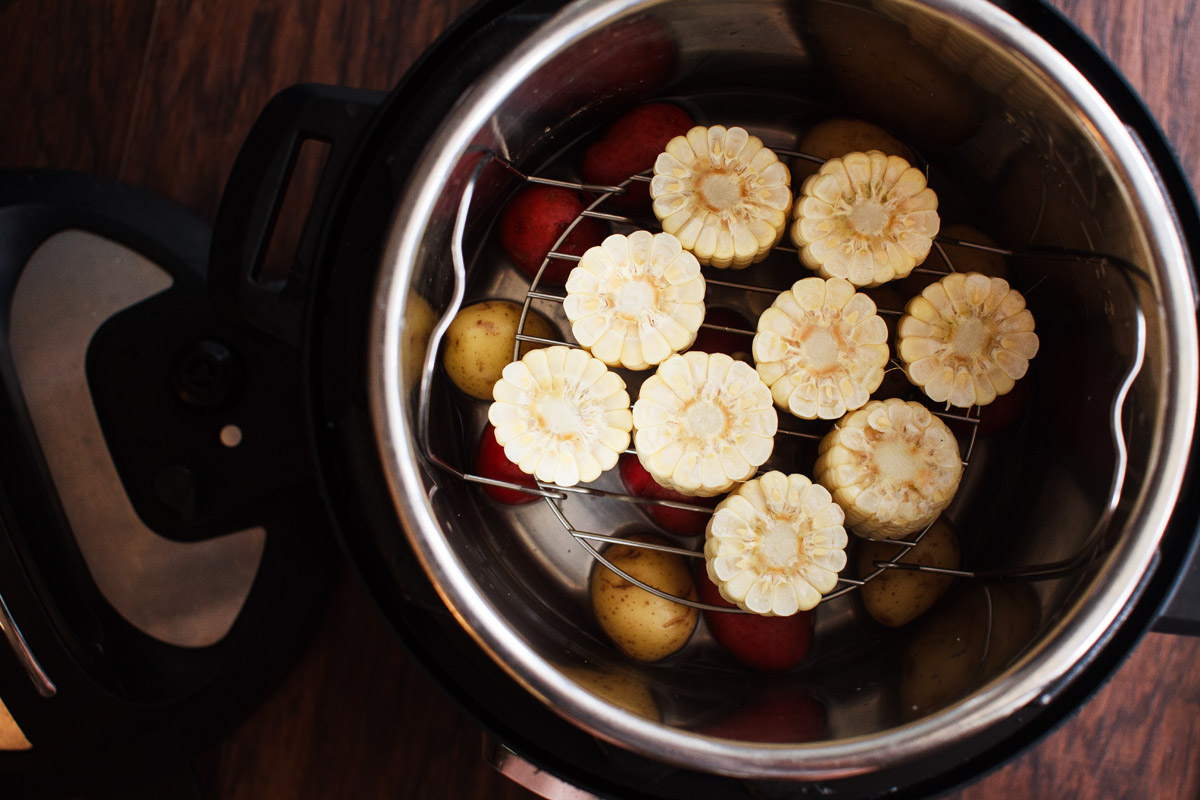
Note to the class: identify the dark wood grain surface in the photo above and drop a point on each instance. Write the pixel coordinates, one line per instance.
(160, 93)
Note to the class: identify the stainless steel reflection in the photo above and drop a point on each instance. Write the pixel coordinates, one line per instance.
(1057, 172)
(25, 657)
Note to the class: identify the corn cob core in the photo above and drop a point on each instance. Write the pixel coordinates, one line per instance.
(723, 193)
(634, 300)
(776, 544)
(561, 415)
(703, 422)
(822, 348)
(892, 466)
(966, 339)
(866, 217)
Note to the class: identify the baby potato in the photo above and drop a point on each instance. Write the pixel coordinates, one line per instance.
(419, 319)
(951, 651)
(944, 657)
(479, 343)
(1016, 615)
(620, 687)
(642, 625)
(834, 138)
(898, 596)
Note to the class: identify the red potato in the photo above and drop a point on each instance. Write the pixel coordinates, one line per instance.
(781, 715)
(679, 521)
(490, 462)
(767, 644)
(532, 223)
(631, 145)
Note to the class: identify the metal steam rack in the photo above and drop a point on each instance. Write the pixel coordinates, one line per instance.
(593, 541)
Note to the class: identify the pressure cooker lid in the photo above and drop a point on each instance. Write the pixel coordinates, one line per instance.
(162, 553)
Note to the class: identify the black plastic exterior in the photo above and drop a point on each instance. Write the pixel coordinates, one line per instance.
(273, 309)
(166, 375)
(1181, 615)
(128, 707)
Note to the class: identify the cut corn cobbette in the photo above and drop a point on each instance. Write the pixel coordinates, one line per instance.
(966, 339)
(866, 217)
(892, 466)
(703, 422)
(723, 193)
(776, 545)
(561, 415)
(634, 300)
(822, 348)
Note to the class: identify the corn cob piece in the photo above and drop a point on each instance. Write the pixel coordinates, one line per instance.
(966, 339)
(561, 415)
(634, 300)
(775, 545)
(822, 348)
(703, 423)
(892, 466)
(723, 193)
(866, 217)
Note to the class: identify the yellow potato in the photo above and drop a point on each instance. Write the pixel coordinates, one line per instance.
(479, 343)
(945, 658)
(642, 625)
(834, 138)
(620, 687)
(1016, 615)
(896, 596)
(419, 319)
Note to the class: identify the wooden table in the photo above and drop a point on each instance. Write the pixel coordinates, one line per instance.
(160, 93)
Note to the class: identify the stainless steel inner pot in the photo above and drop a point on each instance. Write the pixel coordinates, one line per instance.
(1018, 143)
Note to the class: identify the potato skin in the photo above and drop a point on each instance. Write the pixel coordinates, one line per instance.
(897, 596)
(643, 626)
(479, 343)
(767, 644)
(630, 146)
(532, 223)
(835, 137)
(945, 658)
(419, 321)
(620, 687)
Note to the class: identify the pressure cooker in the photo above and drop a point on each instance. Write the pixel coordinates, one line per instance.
(1083, 509)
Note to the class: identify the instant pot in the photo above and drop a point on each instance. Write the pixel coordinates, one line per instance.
(159, 564)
